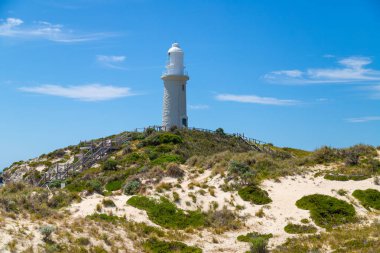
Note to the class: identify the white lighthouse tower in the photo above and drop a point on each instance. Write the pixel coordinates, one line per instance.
(174, 107)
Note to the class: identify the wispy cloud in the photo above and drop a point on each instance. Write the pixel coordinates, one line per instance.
(363, 119)
(111, 61)
(90, 92)
(256, 99)
(199, 107)
(376, 91)
(15, 28)
(352, 70)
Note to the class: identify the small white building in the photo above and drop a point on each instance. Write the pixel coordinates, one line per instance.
(174, 103)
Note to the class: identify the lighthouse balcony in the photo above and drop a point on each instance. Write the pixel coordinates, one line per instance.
(174, 72)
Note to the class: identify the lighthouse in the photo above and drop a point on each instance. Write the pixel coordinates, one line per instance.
(175, 78)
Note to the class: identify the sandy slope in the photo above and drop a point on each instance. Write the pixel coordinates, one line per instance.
(282, 210)
(277, 214)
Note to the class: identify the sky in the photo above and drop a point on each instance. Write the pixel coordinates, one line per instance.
(293, 73)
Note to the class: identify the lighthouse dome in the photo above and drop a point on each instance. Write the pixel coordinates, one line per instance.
(175, 48)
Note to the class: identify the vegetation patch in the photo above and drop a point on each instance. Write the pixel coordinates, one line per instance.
(345, 239)
(341, 177)
(327, 211)
(105, 217)
(257, 241)
(300, 229)
(114, 185)
(255, 195)
(155, 246)
(166, 214)
(167, 158)
(369, 198)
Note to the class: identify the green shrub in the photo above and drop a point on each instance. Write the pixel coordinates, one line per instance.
(167, 158)
(162, 138)
(369, 198)
(240, 169)
(327, 211)
(110, 164)
(155, 246)
(134, 158)
(132, 187)
(300, 229)
(105, 217)
(84, 241)
(339, 177)
(114, 185)
(94, 186)
(108, 203)
(255, 195)
(258, 241)
(166, 214)
(46, 232)
(220, 131)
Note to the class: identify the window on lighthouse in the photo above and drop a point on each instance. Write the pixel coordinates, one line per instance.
(183, 87)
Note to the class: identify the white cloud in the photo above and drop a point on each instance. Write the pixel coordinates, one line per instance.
(199, 107)
(111, 61)
(352, 70)
(376, 91)
(363, 119)
(110, 58)
(15, 28)
(90, 92)
(256, 99)
(289, 73)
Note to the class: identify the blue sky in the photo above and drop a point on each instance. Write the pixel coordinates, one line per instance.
(295, 73)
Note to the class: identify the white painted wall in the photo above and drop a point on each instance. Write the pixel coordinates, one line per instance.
(174, 103)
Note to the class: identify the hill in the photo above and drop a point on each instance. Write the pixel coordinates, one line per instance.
(191, 191)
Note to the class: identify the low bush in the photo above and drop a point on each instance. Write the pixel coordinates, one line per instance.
(132, 187)
(167, 158)
(46, 232)
(173, 170)
(254, 194)
(108, 203)
(327, 211)
(84, 241)
(105, 217)
(155, 246)
(166, 214)
(110, 164)
(114, 185)
(340, 177)
(369, 198)
(299, 229)
(223, 220)
(162, 138)
(258, 241)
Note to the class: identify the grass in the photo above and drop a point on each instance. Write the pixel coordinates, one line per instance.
(166, 214)
(345, 239)
(255, 195)
(327, 211)
(155, 246)
(299, 229)
(369, 198)
(105, 217)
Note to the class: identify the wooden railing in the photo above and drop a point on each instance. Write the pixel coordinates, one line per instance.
(96, 152)
(255, 144)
